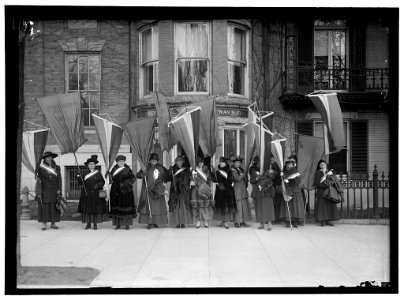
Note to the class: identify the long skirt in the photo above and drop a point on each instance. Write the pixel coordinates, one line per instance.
(159, 213)
(326, 210)
(264, 209)
(181, 214)
(201, 210)
(243, 212)
(47, 213)
(222, 216)
(296, 208)
(121, 221)
(91, 218)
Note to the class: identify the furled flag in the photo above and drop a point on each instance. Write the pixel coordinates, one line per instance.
(330, 110)
(186, 130)
(278, 155)
(64, 115)
(140, 134)
(110, 136)
(310, 150)
(249, 133)
(163, 116)
(208, 131)
(33, 146)
(263, 139)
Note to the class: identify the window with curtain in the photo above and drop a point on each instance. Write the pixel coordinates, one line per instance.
(192, 57)
(83, 73)
(149, 60)
(337, 161)
(233, 142)
(237, 60)
(330, 55)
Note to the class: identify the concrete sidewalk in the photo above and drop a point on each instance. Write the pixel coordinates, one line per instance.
(215, 257)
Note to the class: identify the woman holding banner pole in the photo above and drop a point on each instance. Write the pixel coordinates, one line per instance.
(123, 208)
(152, 204)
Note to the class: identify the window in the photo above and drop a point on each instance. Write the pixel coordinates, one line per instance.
(73, 187)
(84, 75)
(337, 161)
(233, 142)
(149, 60)
(192, 57)
(237, 60)
(330, 55)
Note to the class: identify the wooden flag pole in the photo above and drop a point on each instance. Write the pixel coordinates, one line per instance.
(81, 176)
(147, 194)
(290, 221)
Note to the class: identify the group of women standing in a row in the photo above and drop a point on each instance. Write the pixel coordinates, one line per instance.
(190, 197)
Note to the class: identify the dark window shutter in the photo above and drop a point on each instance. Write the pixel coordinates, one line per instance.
(359, 146)
(357, 47)
(303, 127)
(305, 56)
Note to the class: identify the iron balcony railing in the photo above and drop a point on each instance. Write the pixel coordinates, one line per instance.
(342, 79)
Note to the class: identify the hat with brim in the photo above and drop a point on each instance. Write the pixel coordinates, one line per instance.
(120, 157)
(93, 159)
(237, 158)
(256, 159)
(47, 154)
(180, 158)
(153, 156)
(200, 160)
(223, 159)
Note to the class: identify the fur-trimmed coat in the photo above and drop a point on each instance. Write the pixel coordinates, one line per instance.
(90, 202)
(180, 189)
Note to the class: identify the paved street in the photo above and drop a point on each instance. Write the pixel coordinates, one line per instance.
(346, 254)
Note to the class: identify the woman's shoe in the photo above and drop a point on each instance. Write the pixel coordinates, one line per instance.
(206, 225)
(244, 224)
(330, 224)
(117, 227)
(322, 223)
(226, 226)
(178, 226)
(43, 228)
(149, 226)
(95, 226)
(155, 226)
(127, 227)
(88, 226)
(294, 224)
(54, 226)
(221, 224)
(198, 224)
(261, 226)
(182, 225)
(237, 225)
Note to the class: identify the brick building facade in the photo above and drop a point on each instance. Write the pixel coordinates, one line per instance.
(116, 63)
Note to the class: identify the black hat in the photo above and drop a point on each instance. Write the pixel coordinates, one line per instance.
(47, 154)
(256, 159)
(182, 158)
(223, 159)
(120, 157)
(93, 159)
(199, 160)
(153, 156)
(237, 158)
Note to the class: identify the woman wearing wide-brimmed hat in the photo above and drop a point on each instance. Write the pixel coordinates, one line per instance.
(123, 207)
(243, 212)
(51, 187)
(152, 204)
(179, 203)
(201, 194)
(91, 206)
(225, 202)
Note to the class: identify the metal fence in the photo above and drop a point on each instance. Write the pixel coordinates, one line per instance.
(366, 196)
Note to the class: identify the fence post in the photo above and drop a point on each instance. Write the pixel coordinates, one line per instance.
(375, 192)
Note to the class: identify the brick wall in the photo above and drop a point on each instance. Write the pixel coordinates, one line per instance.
(219, 57)
(166, 57)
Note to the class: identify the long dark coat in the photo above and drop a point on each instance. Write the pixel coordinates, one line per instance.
(254, 172)
(264, 203)
(50, 183)
(121, 195)
(240, 183)
(296, 204)
(225, 201)
(325, 210)
(153, 195)
(180, 190)
(91, 203)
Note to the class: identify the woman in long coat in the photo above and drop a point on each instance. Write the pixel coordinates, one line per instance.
(91, 206)
(225, 202)
(123, 207)
(254, 171)
(152, 204)
(201, 194)
(326, 210)
(179, 203)
(243, 212)
(51, 187)
(291, 178)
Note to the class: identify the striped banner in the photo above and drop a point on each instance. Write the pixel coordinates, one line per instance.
(330, 110)
(33, 146)
(186, 130)
(278, 155)
(110, 136)
(250, 134)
